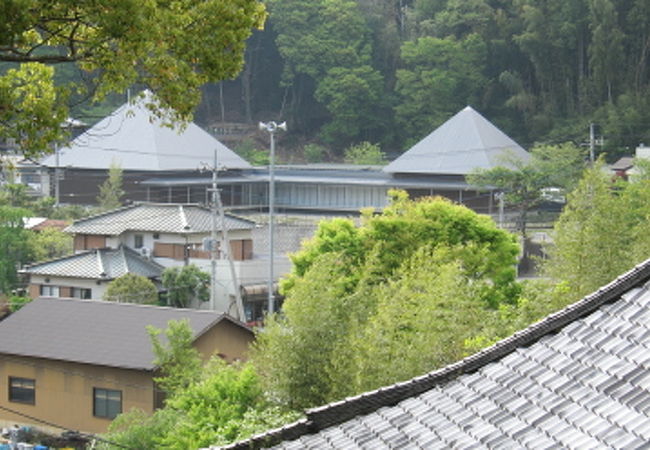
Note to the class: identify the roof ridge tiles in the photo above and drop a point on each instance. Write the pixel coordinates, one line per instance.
(55, 259)
(103, 213)
(340, 411)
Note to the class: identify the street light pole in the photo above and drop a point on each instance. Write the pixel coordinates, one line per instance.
(271, 127)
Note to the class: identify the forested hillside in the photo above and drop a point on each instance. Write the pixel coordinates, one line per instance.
(390, 71)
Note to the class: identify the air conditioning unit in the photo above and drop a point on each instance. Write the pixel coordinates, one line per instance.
(146, 252)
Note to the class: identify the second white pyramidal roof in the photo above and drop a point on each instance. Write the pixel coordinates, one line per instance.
(465, 142)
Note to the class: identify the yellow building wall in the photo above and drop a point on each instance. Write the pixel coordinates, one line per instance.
(64, 392)
(229, 340)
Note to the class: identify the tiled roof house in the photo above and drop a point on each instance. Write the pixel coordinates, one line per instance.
(172, 234)
(79, 363)
(86, 275)
(579, 379)
(145, 238)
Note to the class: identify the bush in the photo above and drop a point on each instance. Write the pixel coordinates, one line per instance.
(314, 153)
(364, 153)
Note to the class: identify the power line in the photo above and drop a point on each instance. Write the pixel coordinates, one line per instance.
(68, 433)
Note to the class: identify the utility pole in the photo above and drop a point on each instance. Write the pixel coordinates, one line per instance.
(500, 196)
(592, 143)
(213, 238)
(57, 177)
(217, 206)
(271, 127)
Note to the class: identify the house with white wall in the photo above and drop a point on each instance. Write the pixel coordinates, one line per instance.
(173, 235)
(85, 275)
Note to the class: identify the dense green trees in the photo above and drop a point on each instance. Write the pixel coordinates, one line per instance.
(205, 405)
(326, 48)
(131, 288)
(14, 249)
(347, 71)
(358, 293)
(439, 76)
(524, 182)
(385, 71)
(173, 48)
(540, 69)
(48, 243)
(184, 284)
(601, 233)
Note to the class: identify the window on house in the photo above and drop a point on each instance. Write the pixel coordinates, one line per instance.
(22, 390)
(83, 293)
(156, 235)
(49, 291)
(138, 241)
(107, 403)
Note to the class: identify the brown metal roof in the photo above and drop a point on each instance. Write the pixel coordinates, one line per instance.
(95, 332)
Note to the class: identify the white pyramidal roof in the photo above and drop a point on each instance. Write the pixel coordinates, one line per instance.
(135, 139)
(465, 142)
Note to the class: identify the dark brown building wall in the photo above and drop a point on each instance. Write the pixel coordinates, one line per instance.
(88, 242)
(81, 186)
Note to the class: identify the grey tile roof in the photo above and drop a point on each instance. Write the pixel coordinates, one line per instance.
(465, 142)
(132, 137)
(578, 379)
(624, 163)
(104, 263)
(93, 331)
(155, 217)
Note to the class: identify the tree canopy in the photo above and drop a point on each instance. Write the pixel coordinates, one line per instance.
(110, 191)
(598, 235)
(359, 295)
(342, 71)
(172, 48)
(184, 284)
(14, 248)
(524, 182)
(132, 288)
(382, 242)
(209, 404)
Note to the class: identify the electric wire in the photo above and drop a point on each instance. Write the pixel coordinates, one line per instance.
(67, 431)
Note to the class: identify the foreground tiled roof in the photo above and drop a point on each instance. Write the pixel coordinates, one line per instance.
(466, 142)
(102, 263)
(578, 379)
(156, 217)
(93, 331)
